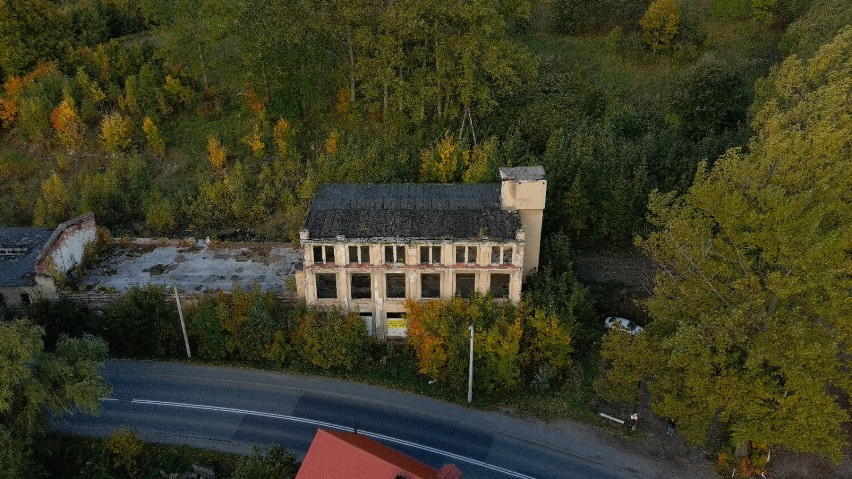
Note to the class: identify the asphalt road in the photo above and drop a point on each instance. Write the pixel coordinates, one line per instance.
(231, 409)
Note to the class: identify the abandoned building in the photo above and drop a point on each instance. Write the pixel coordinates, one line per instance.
(369, 247)
(30, 258)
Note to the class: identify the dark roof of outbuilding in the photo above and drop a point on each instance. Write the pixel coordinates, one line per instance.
(17, 268)
(411, 211)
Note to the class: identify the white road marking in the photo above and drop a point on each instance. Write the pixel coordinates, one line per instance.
(339, 427)
(107, 399)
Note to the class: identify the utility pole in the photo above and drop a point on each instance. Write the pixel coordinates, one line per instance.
(470, 369)
(182, 324)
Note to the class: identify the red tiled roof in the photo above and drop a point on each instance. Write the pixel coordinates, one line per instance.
(345, 455)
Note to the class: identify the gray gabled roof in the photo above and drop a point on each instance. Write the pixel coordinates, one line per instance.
(411, 211)
(22, 246)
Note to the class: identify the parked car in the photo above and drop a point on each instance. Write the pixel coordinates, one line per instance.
(622, 323)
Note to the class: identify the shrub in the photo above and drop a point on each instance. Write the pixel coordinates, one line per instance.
(126, 450)
(275, 462)
(332, 339)
(511, 344)
(144, 324)
(205, 326)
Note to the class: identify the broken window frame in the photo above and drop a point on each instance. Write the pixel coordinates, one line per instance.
(353, 289)
(468, 291)
(396, 277)
(503, 254)
(326, 254)
(423, 289)
(499, 294)
(326, 283)
(467, 253)
(396, 253)
(432, 253)
(361, 256)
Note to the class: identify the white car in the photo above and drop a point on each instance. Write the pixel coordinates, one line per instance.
(621, 323)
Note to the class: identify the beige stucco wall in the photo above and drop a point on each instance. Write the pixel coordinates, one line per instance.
(44, 288)
(378, 304)
(531, 221)
(528, 198)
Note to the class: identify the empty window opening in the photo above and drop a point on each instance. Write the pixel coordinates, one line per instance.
(326, 286)
(359, 286)
(359, 254)
(25, 298)
(500, 285)
(465, 284)
(430, 254)
(466, 254)
(367, 316)
(501, 255)
(324, 254)
(395, 283)
(394, 254)
(430, 285)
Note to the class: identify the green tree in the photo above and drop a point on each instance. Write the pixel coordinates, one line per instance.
(115, 133)
(710, 100)
(54, 205)
(33, 380)
(155, 140)
(660, 24)
(751, 303)
(193, 30)
(205, 326)
(66, 121)
(30, 31)
(817, 23)
(158, 215)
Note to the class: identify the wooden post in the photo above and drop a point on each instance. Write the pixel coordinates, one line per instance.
(182, 324)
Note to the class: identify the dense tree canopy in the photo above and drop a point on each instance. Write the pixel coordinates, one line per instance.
(752, 303)
(32, 380)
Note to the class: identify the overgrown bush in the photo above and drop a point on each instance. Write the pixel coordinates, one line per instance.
(512, 345)
(332, 339)
(144, 324)
(274, 462)
(126, 450)
(205, 327)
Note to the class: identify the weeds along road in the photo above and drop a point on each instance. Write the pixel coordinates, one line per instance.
(230, 409)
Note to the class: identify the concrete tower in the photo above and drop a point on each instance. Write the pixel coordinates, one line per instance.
(524, 189)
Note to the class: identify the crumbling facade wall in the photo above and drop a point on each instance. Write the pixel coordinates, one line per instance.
(66, 247)
(43, 287)
(330, 283)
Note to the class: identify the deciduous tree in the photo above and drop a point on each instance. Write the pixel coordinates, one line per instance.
(115, 133)
(33, 381)
(660, 24)
(752, 301)
(54, 205)
(155, 140)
